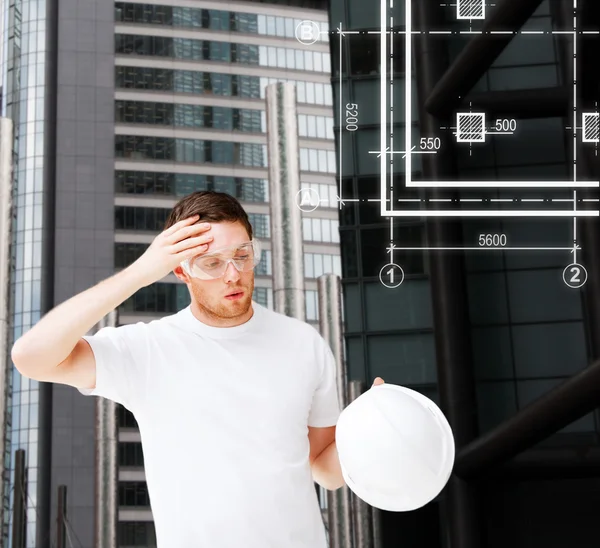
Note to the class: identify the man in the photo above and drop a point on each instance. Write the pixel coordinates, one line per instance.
(236, 404)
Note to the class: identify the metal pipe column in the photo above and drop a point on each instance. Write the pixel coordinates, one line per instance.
(339, 504)
(47, 303)
(19, 528)
(106, 462)
(284, 185)
(448, 289)
(361, 511)
(6, 145)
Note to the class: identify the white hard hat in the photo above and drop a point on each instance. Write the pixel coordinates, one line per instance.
(396, 448)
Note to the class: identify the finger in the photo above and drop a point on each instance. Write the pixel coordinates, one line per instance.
(378, 381)
(194, 252)
(189, 243)
(187, 232)
(185, 222)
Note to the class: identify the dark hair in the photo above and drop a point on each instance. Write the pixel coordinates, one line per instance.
(212, 206)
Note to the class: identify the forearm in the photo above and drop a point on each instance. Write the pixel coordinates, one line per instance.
(326, 469)
(52, 339)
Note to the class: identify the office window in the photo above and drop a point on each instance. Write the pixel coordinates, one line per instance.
(327, 194)
(260, 225)
(157, 298)
(128, 253)
(190, 150)
(180, 184)
(320, 230)
(317, 264)
(133, 493)
(178, 115)
(322, 161)
(131, 454)
(264, 267)
(125, 418)
(261, 296)
(306, 92)
(140, 218)
(320, 127)
(312, 305)
(222, 52)
(136, 533)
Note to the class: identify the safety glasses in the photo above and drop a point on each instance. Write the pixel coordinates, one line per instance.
(213, 265)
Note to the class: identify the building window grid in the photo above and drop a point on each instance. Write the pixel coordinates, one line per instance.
(136, 533)
(317, 127)
(311, 302)
(317, 264)
(212, 83)
(24, 104)
(318, 161)
(222, 52)
(190, 150)
(320, 230)
(264, 267)
(220, 20)
(328, 194)
(194, 116)
(153, 219)
(246, 189)
(134, 493)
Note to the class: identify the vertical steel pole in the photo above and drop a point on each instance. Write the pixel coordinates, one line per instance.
(362, 512)
(20, 505)
(284, 185)
(61, 529)
(6, 147)
(456, 384)
(106, 462)
(339, 503)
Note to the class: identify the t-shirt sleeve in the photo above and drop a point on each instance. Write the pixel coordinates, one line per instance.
(120, 373)
(325, 409)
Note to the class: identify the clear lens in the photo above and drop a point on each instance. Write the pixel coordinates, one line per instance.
(244, 257)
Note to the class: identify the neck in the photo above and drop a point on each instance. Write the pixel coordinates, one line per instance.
(214, 320)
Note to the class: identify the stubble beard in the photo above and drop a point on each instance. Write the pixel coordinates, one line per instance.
(221, 309)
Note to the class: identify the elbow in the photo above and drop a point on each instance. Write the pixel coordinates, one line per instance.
(19, 359)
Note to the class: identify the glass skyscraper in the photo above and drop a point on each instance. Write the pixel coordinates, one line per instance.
(518, 329)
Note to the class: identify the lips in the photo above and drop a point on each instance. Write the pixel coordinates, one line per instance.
(235, 294)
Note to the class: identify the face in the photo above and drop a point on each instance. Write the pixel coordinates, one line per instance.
(213, 299)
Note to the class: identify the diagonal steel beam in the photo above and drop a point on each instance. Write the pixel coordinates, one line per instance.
(478, 55)
(571, 400)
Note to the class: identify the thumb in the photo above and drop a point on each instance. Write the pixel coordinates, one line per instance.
(378, 381)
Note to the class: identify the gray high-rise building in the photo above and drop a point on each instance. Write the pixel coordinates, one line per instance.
(120, 109)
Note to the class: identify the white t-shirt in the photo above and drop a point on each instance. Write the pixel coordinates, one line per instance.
(223, 416)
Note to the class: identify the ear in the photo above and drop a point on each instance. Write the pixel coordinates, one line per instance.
(182, 274)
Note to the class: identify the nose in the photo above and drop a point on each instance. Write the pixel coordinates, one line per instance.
(232, 274)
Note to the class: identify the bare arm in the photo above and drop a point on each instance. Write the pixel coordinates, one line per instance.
(54, 351)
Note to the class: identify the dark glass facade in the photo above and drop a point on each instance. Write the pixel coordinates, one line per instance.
(246, 189)
(191, 49)
(200, 18)
(527, 328)
(188, 116)
(23, 80)
(187, 81)
(195, 151)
